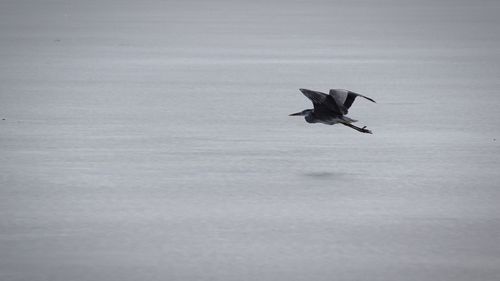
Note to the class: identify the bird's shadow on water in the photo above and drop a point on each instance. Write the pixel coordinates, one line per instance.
(320, 175)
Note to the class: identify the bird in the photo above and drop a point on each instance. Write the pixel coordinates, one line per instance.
(331, 108)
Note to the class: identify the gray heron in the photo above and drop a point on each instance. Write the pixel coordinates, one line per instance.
(331, 109)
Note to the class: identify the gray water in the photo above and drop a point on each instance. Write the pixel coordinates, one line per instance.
(150, 140)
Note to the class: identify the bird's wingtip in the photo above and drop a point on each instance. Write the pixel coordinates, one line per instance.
(370, 99)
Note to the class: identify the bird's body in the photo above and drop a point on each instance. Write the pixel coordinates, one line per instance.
(331, 109)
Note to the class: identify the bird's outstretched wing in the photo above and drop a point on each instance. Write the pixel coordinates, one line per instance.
(314, 96)
(321, 101)
(345, 98)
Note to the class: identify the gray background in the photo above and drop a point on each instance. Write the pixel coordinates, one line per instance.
(149, 140)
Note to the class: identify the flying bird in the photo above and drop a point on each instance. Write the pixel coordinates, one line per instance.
(331, 109)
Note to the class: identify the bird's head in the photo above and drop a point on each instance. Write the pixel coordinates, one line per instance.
(302, 113)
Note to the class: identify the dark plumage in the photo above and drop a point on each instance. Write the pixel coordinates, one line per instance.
(331, 109)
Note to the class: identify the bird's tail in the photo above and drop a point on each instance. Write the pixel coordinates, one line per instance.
(349, 120)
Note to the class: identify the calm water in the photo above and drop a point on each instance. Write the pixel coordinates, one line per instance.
(150, 140)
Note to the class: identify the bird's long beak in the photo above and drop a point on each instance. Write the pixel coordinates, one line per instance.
(296, 114)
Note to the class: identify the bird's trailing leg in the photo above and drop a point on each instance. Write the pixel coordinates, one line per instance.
(362, 130)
